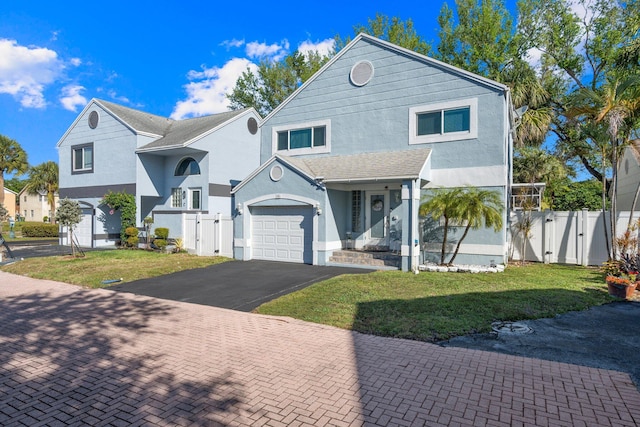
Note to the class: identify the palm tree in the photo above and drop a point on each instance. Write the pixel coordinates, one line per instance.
(473, 206)
(44, 178)
(479, 208)
(13, 159)
(617, 104)
(443, 203)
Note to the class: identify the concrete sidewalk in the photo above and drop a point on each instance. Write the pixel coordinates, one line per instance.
(71, 356)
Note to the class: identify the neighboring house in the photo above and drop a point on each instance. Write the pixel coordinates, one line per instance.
(10, 202)
(346, 159)
(35, 207)
(173, 167)
(629, 177)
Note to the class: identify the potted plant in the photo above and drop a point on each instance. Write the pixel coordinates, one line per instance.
(621, 276)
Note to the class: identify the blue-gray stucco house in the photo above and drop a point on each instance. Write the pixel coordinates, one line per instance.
(175, 168)
(346, 159)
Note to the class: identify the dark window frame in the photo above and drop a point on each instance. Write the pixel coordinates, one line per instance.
(81, 148)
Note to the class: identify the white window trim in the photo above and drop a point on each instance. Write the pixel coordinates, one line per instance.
(82, 149)
(301, 151)
(191, 198)
(472, 103)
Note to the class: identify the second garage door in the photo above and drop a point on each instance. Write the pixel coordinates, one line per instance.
(282, 233)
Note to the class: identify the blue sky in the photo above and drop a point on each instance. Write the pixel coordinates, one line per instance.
(174, 59)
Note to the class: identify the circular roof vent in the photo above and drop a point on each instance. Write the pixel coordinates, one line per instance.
(361, 73)
(252, 125)
(94, 118)
(276, 173)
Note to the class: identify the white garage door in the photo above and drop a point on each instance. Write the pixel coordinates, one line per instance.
(84, 230)
(282, 233)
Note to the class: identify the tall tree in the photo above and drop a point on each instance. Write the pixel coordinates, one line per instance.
(532, 165)
(44, 178)
(13, 159)
(481, 37)
(274, 81)
(580, 44)
(616, 104)
(394, 30)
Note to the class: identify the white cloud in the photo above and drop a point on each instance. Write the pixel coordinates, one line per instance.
(76, 62)
(206, 93)
(71, 98)
(273, 51)
(323, 47)
(114, 95)
(26, 71)
(232, 43)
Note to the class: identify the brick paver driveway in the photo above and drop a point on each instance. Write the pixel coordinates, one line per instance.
(71, 356)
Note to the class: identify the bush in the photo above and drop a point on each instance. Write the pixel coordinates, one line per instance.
(160, 243)
(161, 233)
(131, 234)
(40, 230)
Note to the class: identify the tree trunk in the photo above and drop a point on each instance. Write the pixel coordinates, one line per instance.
(2, 187)
(633, 206)
(444, 240)
(614, 198)
(455, 253)
(604, 208)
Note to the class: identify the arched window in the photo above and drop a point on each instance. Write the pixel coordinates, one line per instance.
(188, 166)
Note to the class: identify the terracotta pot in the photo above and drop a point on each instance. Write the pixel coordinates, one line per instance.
(621, 291)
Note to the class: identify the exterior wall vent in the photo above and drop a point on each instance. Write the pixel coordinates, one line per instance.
(252, 125)
(94, 118)
(276, 173)
(361, 73)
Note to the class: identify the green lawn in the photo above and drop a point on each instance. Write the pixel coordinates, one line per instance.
(438, 306)
(427, 306)
(96, 266)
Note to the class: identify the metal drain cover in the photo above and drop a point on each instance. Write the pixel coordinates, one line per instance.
(510, 328)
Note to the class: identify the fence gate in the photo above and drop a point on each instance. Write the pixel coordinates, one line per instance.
(208, 235)
(564, 237)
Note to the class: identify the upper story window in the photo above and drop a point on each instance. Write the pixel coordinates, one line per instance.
(187, 166)
(303, 138)
(82, 158)
(447, 121)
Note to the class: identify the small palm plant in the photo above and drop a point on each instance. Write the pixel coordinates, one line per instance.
(471, 206)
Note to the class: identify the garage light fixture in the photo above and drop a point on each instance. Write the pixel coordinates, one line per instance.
(318, 209)
(239, 208)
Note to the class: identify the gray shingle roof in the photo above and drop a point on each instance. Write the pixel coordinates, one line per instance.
(174, 133)
(366, 166)
(138, 120)
(182, 131)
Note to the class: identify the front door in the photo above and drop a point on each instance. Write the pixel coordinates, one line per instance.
(378, 218)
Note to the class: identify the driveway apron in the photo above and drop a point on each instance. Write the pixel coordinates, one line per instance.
(239, 285)
(73, 356)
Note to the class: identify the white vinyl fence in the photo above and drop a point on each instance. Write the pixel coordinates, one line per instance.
(208, 235)
(565, 237)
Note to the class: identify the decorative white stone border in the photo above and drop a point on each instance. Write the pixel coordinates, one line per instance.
(461, 268)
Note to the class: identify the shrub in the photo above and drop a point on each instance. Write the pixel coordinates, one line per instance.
(45, 219)
(132, 237)
(40, 230)
(161, 233)
(160, 243)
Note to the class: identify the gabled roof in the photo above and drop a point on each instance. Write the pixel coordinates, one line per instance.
(371, 167)
(8, 190)
(139, 121)
(183, 132)
(407, 164)
(407, 52)
(169, 133)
